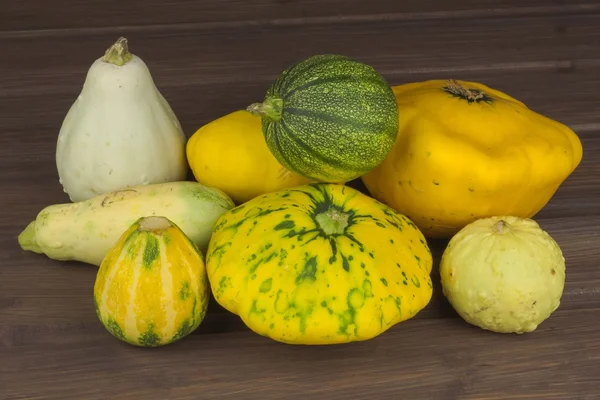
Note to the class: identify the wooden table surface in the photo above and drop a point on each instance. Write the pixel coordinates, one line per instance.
(211, 57)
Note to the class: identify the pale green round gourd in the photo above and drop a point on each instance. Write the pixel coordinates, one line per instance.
(503, 274)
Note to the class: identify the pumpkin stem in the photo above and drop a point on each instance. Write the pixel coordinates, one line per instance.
(154, 224)
(471, 95)
(271, 109)
(332, 221)
(500, 227)
(118, 54)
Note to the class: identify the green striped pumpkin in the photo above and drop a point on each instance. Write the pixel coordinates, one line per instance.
(329, 118)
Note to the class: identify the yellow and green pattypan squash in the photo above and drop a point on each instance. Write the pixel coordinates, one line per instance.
(319, 264)
(465, 151)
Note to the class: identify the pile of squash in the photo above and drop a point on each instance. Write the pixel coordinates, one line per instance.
(271, 226)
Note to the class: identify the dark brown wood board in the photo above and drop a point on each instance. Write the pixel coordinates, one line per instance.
(212, 57)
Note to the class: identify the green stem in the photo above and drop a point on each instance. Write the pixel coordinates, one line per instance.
(27, 239)
(332, 221)
(118, 53)
(271, 109)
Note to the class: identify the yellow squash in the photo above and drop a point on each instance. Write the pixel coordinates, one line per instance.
(230, 153)
(319, 264)
(152, 288)
(465, 151)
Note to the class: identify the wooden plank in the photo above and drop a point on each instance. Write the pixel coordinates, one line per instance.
(236, 56)
(210, 58)
(34, 14)
(435, 359)
(567, 95)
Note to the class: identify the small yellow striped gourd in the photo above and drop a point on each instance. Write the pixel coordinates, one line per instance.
(151, 288)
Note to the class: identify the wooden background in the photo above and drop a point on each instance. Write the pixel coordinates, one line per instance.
(210, 57)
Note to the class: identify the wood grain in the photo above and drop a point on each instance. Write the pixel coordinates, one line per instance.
(195, 56)
(208, 95)
(427, 359)
(212, 57)
(28, 15)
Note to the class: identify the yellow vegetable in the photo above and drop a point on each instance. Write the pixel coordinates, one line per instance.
(503, 274)
(152, 288)
(230, 153)
(466, 151)
(319, 264)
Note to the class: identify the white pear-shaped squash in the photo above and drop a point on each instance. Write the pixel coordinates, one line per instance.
(120, 132)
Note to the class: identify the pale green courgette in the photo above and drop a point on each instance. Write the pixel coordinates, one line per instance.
(85, 231)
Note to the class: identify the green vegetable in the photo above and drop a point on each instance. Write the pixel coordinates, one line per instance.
(503, 274)
(329, 118)
(85, 231)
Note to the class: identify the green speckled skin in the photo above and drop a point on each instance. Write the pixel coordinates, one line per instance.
(271, 262)
(339, 118)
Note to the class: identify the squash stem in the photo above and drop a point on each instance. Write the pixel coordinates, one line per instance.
(332, 221)
(500, 227)
(271, 109)
(118, 54)
(470, 95)
(27, 239)
(154, 224)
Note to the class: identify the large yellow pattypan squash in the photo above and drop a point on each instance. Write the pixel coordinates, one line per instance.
(465, 151)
